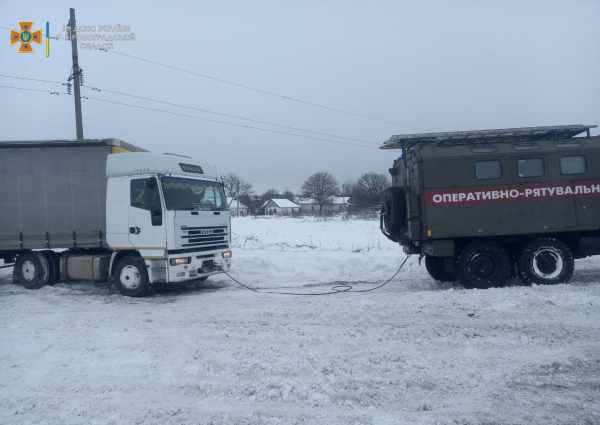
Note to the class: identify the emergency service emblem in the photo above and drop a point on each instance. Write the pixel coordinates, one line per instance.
(25, 37)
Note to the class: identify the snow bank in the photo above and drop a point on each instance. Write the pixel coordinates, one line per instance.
(308, 233)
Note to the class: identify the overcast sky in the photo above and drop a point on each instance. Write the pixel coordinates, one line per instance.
(435, 65)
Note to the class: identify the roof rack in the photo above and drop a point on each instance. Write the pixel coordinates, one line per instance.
(506, 135)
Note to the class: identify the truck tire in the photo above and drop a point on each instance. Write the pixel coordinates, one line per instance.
(545, 261)
(31, 270)
(53, 266)
(131, 277)
(394, 208)
(483, 265)
(436, 268)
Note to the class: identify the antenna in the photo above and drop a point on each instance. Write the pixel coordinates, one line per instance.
(214, 158)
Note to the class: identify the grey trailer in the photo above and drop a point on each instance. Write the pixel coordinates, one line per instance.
(53, 193)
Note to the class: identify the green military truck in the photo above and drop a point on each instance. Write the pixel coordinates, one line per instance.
(482, 206)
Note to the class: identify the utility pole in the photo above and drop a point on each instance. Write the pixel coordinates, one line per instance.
(76, 75)
(237, 214)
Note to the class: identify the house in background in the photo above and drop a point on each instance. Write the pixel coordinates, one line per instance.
(241, 211)
(335, 204)
(280, 207)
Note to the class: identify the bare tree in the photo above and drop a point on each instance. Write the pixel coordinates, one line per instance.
(235, 186)
(369, 189)
(321, 187)
(348, 187)
(252, 202)
(270, 194)
(289, 195)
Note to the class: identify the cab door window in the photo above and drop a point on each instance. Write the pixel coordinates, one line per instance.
(145, 195)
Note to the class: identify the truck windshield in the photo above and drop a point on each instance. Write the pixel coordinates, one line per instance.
(193, 195)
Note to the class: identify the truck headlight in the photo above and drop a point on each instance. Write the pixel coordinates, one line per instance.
(226, 254)
(179, 261)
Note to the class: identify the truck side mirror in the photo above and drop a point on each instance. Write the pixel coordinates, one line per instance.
(156, 216)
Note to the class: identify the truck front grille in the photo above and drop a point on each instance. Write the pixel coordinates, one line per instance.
(203, 236)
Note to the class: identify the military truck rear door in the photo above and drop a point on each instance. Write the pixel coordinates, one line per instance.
(541, 210)
(574, 167)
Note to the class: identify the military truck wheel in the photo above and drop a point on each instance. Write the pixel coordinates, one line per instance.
(482, 265)
(131, 277)
(53, 266)
(436, 268)
(546, 261)
(394, 208)
(31, 270)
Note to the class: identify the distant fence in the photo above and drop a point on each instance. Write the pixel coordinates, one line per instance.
(361, 214)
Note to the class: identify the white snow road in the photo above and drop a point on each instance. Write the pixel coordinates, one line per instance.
(412, 352)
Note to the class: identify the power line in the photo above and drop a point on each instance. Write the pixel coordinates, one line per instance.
(201, 110)
(293, 99)
(199, 118)
(231, 116)
(43, 34)
(31, 79)
(266, 91)
(228, 123)
(22, 88)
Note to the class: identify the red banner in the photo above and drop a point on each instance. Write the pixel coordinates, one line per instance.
(522, 192)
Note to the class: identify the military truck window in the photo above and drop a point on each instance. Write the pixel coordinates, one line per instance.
(575, 164)
(488, 170)
(484, 149)
(531, 167)
(144, 194)
(526, 146)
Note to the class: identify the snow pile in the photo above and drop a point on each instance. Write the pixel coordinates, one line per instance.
(413, 352)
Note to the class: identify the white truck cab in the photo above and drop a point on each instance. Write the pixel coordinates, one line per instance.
(171, 210)
(106, 210)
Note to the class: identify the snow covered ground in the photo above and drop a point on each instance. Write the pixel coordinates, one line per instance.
(412, 352)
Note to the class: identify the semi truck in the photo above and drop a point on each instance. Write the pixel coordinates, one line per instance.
(106, 210)
(482, 206)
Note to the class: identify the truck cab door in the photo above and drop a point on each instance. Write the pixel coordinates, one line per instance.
(147, 229)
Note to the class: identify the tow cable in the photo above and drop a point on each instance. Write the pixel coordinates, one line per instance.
(334, 290)
(338, 289)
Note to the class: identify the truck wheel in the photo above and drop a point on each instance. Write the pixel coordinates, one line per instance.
(482, 265)
(545, 261)
(394, 207)
(53, 266)
(436, 268)
(31, 270)
(131, 277)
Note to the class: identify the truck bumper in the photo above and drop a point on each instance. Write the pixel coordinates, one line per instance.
(439, 248)
(198, 265)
